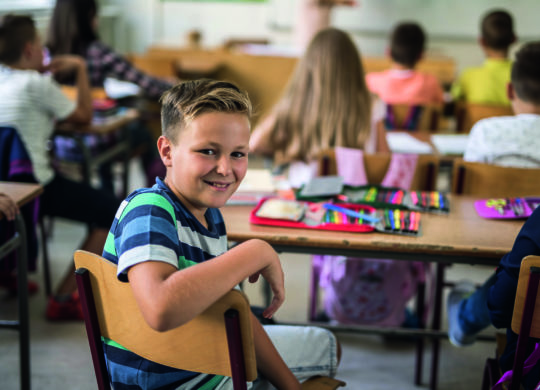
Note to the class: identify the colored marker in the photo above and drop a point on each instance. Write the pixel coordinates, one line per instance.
(352, 213)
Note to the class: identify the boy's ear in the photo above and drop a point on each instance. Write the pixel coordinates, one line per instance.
(510, 92)
(165, 150)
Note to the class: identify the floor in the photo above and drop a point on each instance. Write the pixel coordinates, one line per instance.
(60, 357)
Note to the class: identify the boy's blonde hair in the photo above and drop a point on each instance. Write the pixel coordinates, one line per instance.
(186, 101)
(326, 102)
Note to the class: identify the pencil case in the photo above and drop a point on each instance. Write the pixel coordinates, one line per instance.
(396, 198)
(506, 208)
(347, 217)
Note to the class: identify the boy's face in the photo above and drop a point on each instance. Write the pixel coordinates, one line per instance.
(209, 160)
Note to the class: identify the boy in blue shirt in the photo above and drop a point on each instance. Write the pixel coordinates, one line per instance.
(170, 243)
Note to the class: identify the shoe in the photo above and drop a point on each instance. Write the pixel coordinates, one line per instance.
(10, 283)
(69, 310)
(456, 335)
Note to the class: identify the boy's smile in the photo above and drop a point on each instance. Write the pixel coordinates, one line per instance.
(209, 160)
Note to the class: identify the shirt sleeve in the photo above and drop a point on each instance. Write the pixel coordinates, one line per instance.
(104, 62)
(146, 231)
(52, 99)
(475, 151)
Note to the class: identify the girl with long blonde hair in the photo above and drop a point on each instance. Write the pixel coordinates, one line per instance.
(325, 104)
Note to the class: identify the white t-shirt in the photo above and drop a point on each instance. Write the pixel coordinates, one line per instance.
(31, 102)
(512, 141)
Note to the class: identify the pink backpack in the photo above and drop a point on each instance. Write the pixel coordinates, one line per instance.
(369, 291)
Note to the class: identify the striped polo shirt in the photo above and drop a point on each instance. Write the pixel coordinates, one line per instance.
(152, 224)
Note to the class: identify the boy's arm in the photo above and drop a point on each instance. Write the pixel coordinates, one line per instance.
(169, 298)
(269, 362)
(71, 63)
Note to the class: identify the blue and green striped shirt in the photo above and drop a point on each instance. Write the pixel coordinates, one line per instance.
(153, 225)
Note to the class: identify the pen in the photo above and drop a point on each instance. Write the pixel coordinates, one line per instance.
(352, 213)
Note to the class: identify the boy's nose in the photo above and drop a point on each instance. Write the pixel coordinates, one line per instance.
(224, 166)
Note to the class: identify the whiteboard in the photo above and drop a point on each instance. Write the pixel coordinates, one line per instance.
(442, 18)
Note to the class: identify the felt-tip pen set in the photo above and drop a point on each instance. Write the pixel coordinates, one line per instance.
(347, 217)
(383, 197)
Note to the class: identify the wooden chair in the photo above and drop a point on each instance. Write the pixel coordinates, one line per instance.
(412, 117)
(13, 150)
(219, 340)
(377, 164)
(467, 114)
(487, 180)
(525, 322)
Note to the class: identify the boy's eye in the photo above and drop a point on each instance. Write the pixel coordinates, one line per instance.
(238, 154)
(208, 152)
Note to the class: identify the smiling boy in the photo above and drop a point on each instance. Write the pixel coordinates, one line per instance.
(169, 242)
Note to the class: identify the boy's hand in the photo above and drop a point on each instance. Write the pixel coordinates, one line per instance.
(8, 207)
(273, 274)
(65, 63)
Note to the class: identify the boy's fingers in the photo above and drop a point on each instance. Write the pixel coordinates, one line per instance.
(274, 306)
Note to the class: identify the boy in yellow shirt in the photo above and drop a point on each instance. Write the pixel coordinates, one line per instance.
(486, 84)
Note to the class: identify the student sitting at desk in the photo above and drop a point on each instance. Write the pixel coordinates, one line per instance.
(510, 141)
(402, 84)
(325, 104)
(486, 84)
(169, 243)
(31, 102)
(513, 140)
(73, 30)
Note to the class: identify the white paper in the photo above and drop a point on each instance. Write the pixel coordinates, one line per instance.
(450, 143)
(405, 143)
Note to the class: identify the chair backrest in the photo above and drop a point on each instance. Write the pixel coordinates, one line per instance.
(488, 180)
(526, 315)
(200, 345)
(467, 114)
(376, 166)
(522, 294)
(412, 117)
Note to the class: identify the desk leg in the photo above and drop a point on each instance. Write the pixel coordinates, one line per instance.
(24, 323)
(439, 283)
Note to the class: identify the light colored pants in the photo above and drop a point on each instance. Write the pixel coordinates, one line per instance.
(307, 351)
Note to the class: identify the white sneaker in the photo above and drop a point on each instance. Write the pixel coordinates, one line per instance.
(461, 291)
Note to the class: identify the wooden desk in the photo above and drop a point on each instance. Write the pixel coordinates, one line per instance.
(459, 237)
(110, 125)
(21, 193)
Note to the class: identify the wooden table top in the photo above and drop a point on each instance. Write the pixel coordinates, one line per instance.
(110, 125)
(458, 237)
(21, 193)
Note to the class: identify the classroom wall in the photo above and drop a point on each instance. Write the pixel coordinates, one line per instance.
(451, 30)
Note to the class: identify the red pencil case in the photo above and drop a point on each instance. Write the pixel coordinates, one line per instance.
(305, 222)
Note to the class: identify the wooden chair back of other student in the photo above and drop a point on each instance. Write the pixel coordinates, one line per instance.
(404, 117)
(376, 166)
(467, 114)
(487, 180)
(201, 345)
